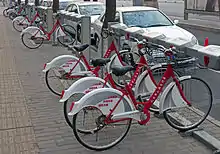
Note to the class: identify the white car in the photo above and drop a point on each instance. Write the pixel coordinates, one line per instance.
(147, 18)
(92, 9)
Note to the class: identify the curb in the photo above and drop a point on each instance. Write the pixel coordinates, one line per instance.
(201, 135)
(171, 1)
(199, 27)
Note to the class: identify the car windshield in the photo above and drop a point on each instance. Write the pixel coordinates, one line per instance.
(91, 9)
(146, 18)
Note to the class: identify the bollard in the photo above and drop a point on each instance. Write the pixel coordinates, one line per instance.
(85, 34)
(206, 43)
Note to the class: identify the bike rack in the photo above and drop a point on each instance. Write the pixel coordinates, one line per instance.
(85, 23)
(208, 56)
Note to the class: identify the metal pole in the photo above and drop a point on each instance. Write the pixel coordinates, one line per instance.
(26, 2)
(185, 10)
(85, 33)
(19, 2)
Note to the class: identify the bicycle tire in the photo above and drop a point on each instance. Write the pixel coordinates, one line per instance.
(25, 26)
(39, 44)
(98, 148)
(12, 15)
(5, 13)
(173, 122)
(68, 33)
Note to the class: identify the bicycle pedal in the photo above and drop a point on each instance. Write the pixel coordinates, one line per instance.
(143, 116)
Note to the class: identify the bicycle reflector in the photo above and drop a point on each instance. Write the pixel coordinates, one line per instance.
(45, 65)
(140, 45)
(127, 36)
(206, 60)
(61, 96)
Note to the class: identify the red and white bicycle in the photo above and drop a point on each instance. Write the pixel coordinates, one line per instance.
(32, 37)
(21, 22)
(110, 111)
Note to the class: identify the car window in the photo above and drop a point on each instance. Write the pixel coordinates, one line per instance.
(69, 8)
(146, 18)
(74, 9)
(91, 9)
(117, 17)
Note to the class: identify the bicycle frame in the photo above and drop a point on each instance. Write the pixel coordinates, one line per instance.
(48, 34)
(96, 70)
(128, 92)
(31, 21)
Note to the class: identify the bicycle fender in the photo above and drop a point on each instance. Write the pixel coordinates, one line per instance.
(114, 60)
(34, 31)
(171, 97)
(20, 19)
(67, 62)
(104, 99)
(84, 86)
(145, 84)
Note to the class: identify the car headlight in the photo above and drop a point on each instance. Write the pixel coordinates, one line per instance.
(194, 40)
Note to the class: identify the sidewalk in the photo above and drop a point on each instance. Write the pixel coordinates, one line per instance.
(35, 121)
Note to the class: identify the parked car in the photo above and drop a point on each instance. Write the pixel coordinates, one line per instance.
(147, 18)
(92, 9)
(46, 3)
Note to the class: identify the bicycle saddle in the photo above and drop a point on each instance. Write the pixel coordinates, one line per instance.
(79, 48)
(100, 61)
(121, 70)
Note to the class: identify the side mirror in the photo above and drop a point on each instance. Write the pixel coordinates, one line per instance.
(176, 22)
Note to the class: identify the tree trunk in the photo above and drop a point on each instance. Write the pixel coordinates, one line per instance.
(55, 6)
(110, 12)
(36, 2)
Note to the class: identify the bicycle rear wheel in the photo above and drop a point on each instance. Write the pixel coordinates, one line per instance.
(101, 136)
(68, 39)
(12, 15)
(184, 117)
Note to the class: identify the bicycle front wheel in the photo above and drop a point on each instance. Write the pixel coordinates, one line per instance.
(18, 26)
(56, 80)
(12, 15)
(30, 41)
(184, 117)
(101, 136)
(68, 39)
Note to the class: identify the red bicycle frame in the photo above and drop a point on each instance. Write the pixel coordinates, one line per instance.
(128, 91)
(31, 21)
(48, 34)
(96, 70)
(19, 11)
